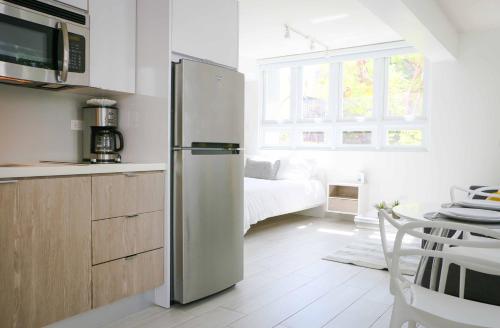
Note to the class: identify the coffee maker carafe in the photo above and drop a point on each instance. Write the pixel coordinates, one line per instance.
(102, 141)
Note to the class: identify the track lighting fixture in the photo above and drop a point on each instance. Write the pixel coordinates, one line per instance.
(312, 41)
(287, 32)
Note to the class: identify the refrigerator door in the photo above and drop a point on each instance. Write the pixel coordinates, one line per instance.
(208, 104)
(208, 222)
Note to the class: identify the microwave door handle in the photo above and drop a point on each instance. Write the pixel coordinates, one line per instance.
(62, 75)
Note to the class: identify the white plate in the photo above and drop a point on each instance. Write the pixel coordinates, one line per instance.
(471, 214)
(480, 203)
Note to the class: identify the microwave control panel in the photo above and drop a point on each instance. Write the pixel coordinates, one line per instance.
(76, 53)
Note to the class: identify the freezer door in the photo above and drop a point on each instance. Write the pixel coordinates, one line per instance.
(208, 223)
(208, 104)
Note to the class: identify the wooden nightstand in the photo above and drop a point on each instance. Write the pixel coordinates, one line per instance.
(345, 198)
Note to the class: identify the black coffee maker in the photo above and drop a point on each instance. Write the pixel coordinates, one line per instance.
(102, 141)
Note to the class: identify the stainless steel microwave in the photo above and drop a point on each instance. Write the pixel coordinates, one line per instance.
(43, 44)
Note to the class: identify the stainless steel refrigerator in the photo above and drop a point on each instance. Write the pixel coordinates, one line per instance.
(207, 184)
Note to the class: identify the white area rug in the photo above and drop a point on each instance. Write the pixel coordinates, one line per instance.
(368, 253)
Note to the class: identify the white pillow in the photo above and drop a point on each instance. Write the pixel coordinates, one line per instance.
(295, 168)
(261, 169)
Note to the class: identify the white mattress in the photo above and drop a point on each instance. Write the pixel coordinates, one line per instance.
(268, 198)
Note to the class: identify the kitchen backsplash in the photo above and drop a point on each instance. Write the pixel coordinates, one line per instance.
(36, 125)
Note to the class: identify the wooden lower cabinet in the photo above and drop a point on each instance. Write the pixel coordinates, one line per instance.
(125, 277)
(46, 233)
(47, 238)
(124, 236)
(115, 195)
(9, 261)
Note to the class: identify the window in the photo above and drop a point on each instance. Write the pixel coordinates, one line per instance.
(406, 86)
(313, 137)
(358, 101)
(357, 89)
(315, 92)
(277, 138)
(277, 94)
(357, 137)
(404, 137)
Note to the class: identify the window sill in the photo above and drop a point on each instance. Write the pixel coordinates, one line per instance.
(353, 149)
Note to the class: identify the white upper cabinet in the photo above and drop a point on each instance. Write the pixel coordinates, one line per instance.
(206, 29)
(82, 4)
(112, 44)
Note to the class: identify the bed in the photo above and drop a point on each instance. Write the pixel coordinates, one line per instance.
(268, 198)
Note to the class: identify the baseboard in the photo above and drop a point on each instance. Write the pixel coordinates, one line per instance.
(366, 222)
(107, 314)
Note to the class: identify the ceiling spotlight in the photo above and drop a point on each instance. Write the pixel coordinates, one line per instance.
(287, 32)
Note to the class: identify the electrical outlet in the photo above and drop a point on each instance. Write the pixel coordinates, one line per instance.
(76, 125)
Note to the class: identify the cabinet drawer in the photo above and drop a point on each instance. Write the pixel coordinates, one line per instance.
(343, 205)
(125, 277)
(117, 195)
(124, 236)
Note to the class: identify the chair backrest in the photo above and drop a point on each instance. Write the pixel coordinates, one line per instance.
(383, 216)
(474, 192)
(415, 229)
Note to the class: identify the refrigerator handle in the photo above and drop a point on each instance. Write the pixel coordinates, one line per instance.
(211, 148)
(177, 148)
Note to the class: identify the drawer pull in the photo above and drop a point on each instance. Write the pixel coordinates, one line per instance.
(130, 257)
(8, 181)
(131, 216)
(131, 175)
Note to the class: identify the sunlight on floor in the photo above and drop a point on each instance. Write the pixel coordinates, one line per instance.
(336, 232)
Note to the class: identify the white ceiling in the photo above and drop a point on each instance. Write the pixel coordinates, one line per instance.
(472, 15)
(338, 23)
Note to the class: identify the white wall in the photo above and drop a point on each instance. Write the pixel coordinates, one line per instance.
(464, 141)
(35, 125)
(206, 29)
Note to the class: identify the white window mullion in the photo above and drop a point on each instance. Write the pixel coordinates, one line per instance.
(262, 96)
(296, 96)
(427, 97)
(380, 98)
(336, 99)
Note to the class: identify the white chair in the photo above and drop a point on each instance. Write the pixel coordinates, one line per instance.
(490, 254)
(385, 216)
(471, 193)
(416, 304)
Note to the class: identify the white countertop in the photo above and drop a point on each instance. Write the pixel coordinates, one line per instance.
(56, 169)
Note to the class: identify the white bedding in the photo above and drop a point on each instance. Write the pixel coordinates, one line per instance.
(268, 198)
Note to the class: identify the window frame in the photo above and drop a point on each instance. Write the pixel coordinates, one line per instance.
(333, 123)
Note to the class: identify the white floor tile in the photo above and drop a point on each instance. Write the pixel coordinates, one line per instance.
(287, 284)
